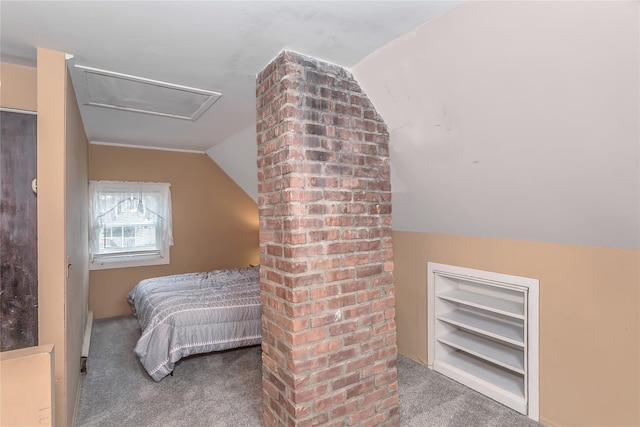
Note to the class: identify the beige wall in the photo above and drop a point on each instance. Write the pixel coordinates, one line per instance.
(589, 321)
(18, 88)
(51, 222)
(77, 246)
(26, 389)
(62, 228)
(215, 223)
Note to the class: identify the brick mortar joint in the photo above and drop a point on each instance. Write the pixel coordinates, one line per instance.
(370, 129)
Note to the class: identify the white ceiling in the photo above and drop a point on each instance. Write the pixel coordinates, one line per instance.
(212, 45)
(516, 120)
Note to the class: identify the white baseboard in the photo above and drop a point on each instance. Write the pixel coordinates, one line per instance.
(86, 342)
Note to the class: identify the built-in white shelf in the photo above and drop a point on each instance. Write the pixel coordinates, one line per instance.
(485, 302)
(511, 332)
(507, 388)
(500, 354)
(483, 332)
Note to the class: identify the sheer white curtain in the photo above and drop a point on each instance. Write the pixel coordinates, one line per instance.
(149, 201)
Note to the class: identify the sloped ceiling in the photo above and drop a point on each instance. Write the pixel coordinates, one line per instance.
(213, 45)
(515, 120)
(508, 119)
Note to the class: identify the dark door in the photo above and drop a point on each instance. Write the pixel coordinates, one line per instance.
(18, 232)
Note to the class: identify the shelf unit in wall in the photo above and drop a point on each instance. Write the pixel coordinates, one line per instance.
(483, 332)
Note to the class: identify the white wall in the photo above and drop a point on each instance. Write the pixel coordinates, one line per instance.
(515, 120)
(238, 158)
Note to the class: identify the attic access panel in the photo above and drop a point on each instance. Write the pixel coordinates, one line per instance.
(108, 89)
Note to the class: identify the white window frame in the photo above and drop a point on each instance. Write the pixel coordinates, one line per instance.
(124, 260)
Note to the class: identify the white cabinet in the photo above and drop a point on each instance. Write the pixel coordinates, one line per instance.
(483, 333)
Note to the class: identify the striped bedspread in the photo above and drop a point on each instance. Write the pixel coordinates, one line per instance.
(195, 313)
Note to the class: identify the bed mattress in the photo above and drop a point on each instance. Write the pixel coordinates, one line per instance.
(195, 313)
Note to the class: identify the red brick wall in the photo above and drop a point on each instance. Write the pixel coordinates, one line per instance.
(328, 299)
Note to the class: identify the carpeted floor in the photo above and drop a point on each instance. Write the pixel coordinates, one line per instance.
(225, 389)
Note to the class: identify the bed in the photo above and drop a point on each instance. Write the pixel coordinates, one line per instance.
(195, 313)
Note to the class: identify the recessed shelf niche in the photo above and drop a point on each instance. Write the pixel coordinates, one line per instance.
(483, 332)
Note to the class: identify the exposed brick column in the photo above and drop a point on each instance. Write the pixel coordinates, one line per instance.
(328, 299)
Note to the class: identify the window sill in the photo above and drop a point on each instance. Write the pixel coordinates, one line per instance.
(104, 263)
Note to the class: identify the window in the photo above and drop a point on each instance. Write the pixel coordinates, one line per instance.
(130, 224)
